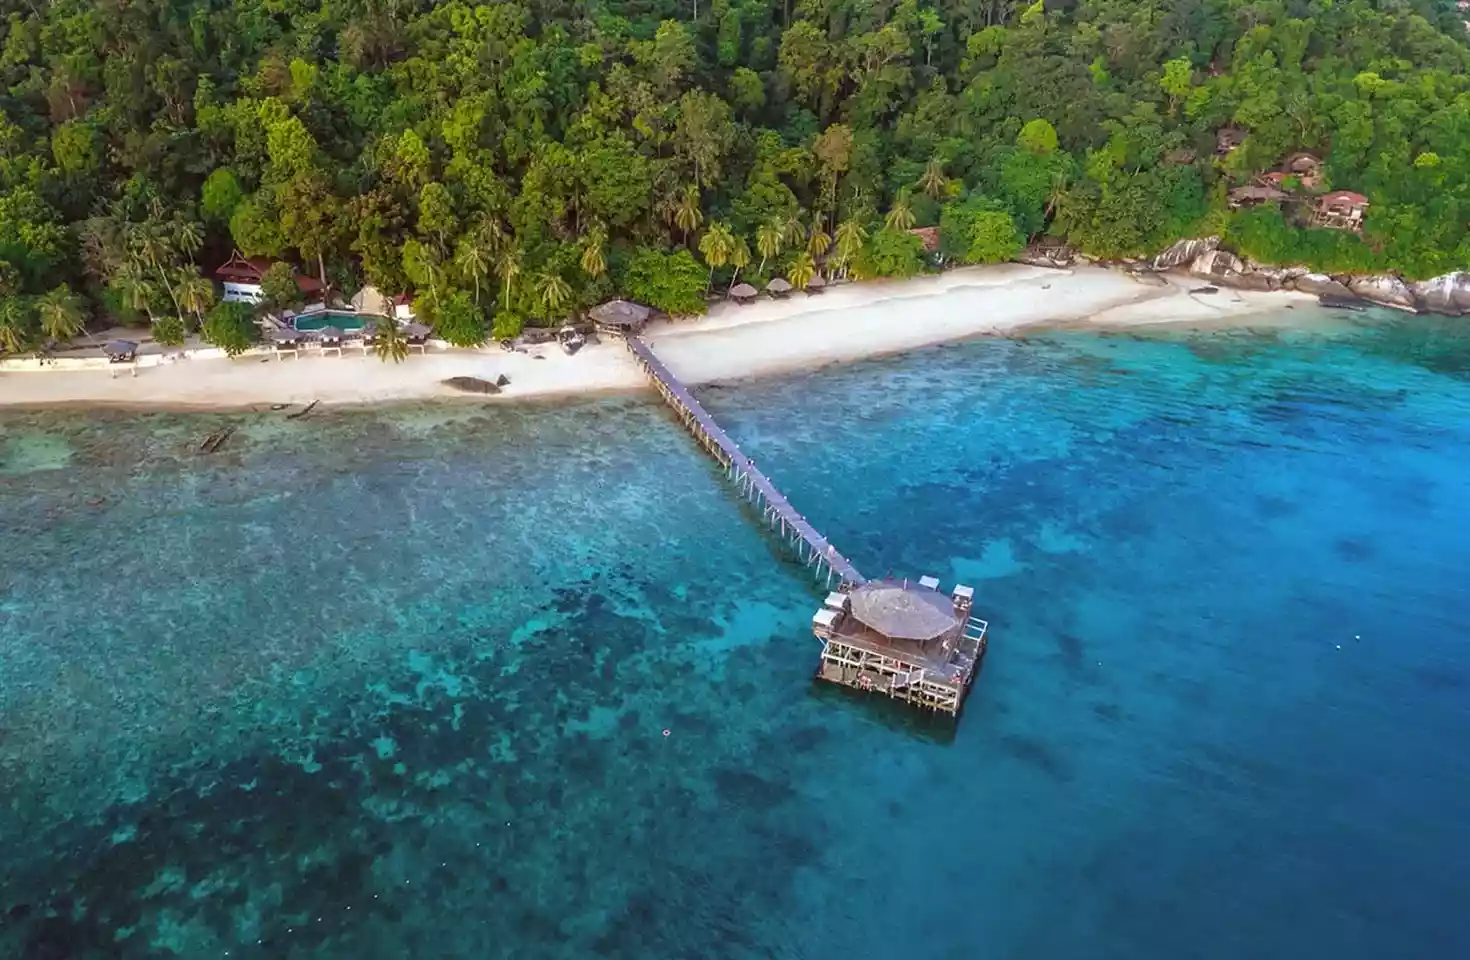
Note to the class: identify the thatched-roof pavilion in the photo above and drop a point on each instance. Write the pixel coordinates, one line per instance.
(816, 284)
(121, 351)
(903, 638)
(743, 292)
(778, 287)
(620, 316)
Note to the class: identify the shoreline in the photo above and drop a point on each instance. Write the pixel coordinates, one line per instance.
(847, 323)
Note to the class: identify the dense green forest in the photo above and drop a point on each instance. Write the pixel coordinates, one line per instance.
(516, 161)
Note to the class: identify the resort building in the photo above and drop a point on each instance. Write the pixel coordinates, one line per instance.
(1340, 210)
(1227, 139)
(903, 639)
(242, 276)
(1306, 167)
(1255, 195)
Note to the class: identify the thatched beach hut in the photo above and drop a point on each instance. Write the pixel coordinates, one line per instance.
(620, 317)
(743, 293)
(120, 352)
(417, 335)
(778, 287)
(816, 284)
(330, 339)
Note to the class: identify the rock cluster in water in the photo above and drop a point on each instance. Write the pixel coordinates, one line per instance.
(1204, 258)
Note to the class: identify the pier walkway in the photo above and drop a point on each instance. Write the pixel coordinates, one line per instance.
(810, 546)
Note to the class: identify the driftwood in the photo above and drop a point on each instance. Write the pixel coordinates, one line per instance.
(302, 413)
(216, 440)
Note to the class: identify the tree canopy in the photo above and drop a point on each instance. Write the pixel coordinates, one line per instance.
(537, 157)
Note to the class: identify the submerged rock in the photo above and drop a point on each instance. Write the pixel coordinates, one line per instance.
(1321, 285)
(1445, 294)
(1386, 290)
(1183, 252)
(472, 385)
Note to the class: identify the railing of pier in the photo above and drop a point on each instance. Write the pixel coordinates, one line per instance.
(810, 546)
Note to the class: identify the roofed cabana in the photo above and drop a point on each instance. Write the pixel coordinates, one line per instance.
(816, 284)
(779, 287)
(902, 638)
(287, 340)
(619, 317)
(330, 338)
(120, 352)
(743, 293)
(417, 335)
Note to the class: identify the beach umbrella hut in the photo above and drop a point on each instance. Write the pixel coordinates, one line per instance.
(331, 339)
(417, 335)
(778, 287)
(286, 340)
(620, 316)
(121, 351)
(816, 284)
(744, 292)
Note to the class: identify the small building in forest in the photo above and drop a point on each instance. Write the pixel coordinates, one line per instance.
(1227, 139)
(241, 277)
(1254, 195)
(1306, 167)
(1340, 210)
(929, 237)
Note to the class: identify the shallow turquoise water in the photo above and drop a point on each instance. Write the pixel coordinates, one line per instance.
(388, 684)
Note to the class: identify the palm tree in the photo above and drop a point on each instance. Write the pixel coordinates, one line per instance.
(594, 255)
(13, 324)
(901, 216)
(739, 259)
(850, 237)
(136, 290)
(554, 292)
(717, 244)
(389, 342)
(687, 216)
(792, 232)
(153, 246)
(819, 241)
(768, 241)
(801, 271)
(934, 182)
(188, 238)
(61, 313)
(473, 260)
(196, 294)
(508, 265)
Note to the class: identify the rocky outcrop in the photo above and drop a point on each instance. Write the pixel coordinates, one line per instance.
(1216, 265)
(1447, 294)
(1183, 252)
(1385, 290)
(472, 385)
(1055, 256)
(1321, 285)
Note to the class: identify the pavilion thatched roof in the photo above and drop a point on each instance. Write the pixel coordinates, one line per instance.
(330, 333)
(285, 335)
(817, 282)
(779, 285)
(120, 348)
(415, 330)
(904, 611)
(620, 313)
(743, 291)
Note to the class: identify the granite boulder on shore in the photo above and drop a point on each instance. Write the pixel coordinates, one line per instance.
(1446, 294)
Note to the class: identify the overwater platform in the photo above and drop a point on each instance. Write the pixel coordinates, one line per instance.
(901, 638)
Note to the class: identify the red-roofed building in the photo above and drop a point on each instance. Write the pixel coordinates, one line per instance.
(1341, 209)
(241, 278)
(929, 236)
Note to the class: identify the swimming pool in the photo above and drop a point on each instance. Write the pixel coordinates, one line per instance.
(330, 318)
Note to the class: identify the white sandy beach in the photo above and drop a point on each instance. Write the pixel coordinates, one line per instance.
(847, 322)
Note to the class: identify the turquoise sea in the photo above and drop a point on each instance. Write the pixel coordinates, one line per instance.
(394, 683)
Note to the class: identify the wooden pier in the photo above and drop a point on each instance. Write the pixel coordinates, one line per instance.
(895, 637)
(810, 546)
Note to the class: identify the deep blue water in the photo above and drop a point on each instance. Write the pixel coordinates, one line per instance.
(394, 683)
